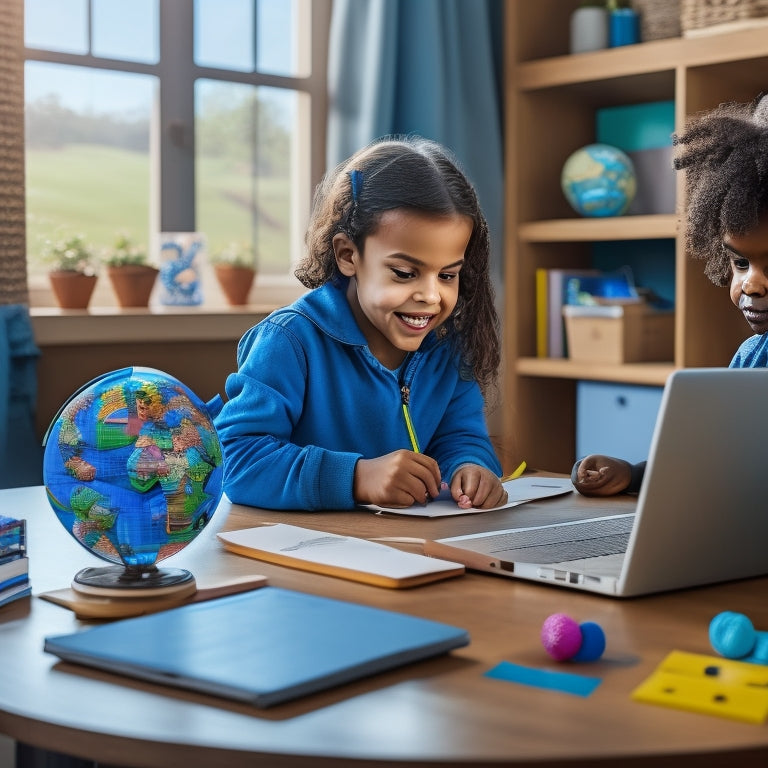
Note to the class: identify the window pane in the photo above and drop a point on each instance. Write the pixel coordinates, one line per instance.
(280, 25)
(87, 150)
(126, 30)
(245, 138)
(224, 34)
(59, 25)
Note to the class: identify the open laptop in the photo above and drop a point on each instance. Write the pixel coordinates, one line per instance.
(700, 517)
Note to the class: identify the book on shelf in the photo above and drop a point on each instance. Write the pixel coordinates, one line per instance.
(551, 296)
(542, 329)
(565, 287)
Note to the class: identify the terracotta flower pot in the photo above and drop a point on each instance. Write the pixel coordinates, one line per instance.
(73, 290)
(236, 282)
(132, 284)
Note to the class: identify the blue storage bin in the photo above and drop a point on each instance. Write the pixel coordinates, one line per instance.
(615, 419)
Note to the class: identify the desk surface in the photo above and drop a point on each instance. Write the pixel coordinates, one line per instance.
(439, 712)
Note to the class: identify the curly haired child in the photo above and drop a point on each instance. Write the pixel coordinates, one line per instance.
(724, 153)
(370, 388)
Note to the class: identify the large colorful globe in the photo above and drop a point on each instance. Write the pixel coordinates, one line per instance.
(133, 466)
(599, 180)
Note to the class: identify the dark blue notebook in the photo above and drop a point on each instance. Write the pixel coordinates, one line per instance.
(263, 647)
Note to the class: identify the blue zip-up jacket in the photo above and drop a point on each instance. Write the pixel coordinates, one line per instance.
(753, 353)
(309, 399)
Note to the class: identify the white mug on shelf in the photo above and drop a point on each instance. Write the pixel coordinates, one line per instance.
(589, 28)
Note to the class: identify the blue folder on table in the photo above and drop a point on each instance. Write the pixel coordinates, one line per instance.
(263, 647)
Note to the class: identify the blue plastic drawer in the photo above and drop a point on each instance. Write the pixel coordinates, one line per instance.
(615, 419)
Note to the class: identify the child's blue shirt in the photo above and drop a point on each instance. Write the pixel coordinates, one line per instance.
(309, 400)
(753, 353)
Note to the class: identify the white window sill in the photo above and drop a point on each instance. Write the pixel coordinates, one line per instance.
(104, 322)
(99, 325)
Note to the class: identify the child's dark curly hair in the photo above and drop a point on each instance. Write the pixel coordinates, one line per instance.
(417, 174)
(725, 156)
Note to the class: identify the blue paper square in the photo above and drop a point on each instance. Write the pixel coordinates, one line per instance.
(566, 682)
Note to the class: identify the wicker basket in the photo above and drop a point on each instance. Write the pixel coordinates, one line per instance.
(697, 14)
(658, 18)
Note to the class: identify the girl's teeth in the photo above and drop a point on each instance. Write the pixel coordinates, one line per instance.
(416, 322)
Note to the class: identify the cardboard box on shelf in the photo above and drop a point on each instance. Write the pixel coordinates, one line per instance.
(619, 333)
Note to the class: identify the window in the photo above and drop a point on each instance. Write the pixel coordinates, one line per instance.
(134, 129)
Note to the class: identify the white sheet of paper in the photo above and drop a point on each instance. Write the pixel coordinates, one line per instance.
(519, 491)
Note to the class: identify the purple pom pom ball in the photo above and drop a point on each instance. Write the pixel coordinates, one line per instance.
(561, 636)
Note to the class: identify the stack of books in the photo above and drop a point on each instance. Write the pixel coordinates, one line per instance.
(556, 288)
(14, 564)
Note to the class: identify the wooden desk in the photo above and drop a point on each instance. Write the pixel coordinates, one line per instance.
(439, 712)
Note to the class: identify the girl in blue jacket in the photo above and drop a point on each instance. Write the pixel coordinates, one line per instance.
(369, 389)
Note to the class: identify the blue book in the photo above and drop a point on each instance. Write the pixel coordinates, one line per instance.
(262, 647)
(14, 572)
(15, 592)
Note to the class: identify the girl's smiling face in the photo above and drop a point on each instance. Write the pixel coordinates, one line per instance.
(406, 283)
(749, 274)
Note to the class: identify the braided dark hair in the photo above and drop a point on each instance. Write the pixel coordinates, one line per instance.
(724, 153)
(420, 175)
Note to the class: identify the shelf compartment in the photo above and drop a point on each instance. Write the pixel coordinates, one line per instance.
(551, 103)
(654, 374)
(609, 228)
(658, 57)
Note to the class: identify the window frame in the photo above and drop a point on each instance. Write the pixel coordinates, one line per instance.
(172, 138)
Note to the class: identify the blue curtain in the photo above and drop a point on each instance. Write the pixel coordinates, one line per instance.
(430, 67)
(20, 450)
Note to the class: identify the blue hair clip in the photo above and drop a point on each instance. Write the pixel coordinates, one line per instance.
(356, 177)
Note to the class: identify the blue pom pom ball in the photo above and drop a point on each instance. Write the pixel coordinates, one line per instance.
(732, 635)
(592, 642)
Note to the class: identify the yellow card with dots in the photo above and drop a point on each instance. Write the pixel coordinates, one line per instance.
(708, 685)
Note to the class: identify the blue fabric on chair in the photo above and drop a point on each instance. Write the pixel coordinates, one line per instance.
(21, 454)
(431, 67)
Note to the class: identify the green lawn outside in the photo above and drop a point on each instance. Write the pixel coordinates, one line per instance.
(98, 192)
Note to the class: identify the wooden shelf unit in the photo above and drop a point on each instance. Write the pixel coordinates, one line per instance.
(551, 101)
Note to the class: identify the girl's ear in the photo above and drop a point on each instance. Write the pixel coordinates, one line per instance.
(346, 254)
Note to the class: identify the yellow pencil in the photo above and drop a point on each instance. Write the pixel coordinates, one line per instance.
(519, 471)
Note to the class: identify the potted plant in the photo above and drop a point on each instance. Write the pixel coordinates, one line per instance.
(130, 273)
(235, 268)
(72, 273)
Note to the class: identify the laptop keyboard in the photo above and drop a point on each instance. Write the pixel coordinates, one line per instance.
(561, 543)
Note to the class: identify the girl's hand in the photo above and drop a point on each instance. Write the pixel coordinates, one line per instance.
(598, 475)
(399, 479)
(476, 486)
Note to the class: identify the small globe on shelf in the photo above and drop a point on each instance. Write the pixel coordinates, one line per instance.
(599, 180)
(133, 470)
